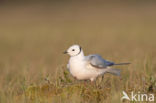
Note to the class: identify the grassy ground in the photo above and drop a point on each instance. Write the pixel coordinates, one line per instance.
(33, 37)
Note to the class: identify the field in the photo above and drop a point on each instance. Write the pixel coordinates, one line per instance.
(33, 37)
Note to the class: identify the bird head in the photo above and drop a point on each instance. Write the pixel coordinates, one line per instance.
(73, 50)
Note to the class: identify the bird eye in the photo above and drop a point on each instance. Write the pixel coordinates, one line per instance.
(73, 49)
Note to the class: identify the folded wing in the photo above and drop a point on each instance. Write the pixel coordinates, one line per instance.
(98, 62)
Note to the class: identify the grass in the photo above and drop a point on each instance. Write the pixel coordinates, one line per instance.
(33, 37)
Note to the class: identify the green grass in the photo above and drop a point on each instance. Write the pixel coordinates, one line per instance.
(33, 37)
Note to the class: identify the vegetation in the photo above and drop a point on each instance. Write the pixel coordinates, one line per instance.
(34, 35)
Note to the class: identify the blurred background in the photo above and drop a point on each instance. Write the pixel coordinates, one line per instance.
(34, 33)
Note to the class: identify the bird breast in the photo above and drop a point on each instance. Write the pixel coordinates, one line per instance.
(81, 69)
(76, 65)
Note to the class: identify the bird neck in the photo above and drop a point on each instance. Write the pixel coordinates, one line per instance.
(80, 56)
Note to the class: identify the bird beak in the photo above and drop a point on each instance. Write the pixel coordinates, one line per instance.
(65, 52)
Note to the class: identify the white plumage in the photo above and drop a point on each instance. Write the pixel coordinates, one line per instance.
(88, 67)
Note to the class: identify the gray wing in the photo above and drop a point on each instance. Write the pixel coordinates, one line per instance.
(98, 62)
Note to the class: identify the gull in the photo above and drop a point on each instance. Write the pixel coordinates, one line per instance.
(89, 67)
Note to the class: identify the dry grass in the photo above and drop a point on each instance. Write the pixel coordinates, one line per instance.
(33, 37)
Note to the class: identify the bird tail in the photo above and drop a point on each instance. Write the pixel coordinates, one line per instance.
(122, 64)
(114, 71)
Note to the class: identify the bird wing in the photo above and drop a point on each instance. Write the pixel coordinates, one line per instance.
(98, 62)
